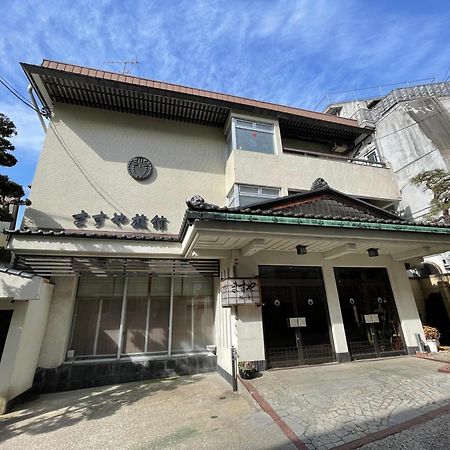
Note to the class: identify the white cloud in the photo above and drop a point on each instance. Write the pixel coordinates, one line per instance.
(290, 52)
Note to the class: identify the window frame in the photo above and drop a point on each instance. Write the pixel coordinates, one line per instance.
(240, 123)
(121, 353)
(235, 193)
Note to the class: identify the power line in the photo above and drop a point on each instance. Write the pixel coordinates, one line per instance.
(15, 90)
(16, 94)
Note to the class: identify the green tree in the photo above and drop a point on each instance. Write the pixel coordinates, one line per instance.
(10, 192)
(438, 182)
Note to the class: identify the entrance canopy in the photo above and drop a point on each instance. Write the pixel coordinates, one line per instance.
(322, 220)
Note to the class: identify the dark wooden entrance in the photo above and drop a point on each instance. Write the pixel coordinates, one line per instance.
(295, 316)
(5, 320)
(371, 322)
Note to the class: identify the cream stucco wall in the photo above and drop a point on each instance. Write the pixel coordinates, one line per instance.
(83, 165)
(289, 171)
(23, 343)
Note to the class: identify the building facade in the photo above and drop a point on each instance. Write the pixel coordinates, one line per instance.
(172, 226)
(412, 133)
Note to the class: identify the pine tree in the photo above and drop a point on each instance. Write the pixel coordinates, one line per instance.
(438, 182)
(10, 192)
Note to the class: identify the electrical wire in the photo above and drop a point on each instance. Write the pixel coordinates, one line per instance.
(19, 96)
(15, 90)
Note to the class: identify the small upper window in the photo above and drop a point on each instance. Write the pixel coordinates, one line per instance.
(243, 195)
(372, 156)
(253, 136)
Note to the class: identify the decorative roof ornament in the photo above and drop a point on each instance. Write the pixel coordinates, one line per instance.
(319, 183)
(196, 201)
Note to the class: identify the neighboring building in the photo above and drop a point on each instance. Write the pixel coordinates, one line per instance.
(287, 269)
(412, 134)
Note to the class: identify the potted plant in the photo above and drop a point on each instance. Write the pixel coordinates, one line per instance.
(432, 336)
(247, 369)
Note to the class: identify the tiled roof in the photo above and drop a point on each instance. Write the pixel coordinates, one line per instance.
(60, 83)
(94, 234)
(129, 79)
(18, 273)
(322, 203)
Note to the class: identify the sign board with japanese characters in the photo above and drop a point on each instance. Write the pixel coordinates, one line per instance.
(240, 291)
(295, 322)
(371, 318)
(138, 221)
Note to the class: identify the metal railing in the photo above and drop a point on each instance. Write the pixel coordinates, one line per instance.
(346, 159)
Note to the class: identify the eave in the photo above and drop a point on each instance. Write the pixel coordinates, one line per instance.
(64, 83)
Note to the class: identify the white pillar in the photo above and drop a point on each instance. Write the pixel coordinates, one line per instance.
(406, 305)
(334, 309)
(59, 323)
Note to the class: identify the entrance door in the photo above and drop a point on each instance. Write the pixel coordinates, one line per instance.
(295, 316)
(371, 322)
(5, 320)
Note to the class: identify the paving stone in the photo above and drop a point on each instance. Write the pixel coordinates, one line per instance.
(343, 402)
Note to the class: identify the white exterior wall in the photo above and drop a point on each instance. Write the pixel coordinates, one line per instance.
(23, 343)
(83, 165)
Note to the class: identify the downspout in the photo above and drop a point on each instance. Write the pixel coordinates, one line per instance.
(33, 101)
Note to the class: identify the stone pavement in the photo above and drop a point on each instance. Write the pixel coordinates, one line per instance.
(328, 406)
(194, 412)
(431, 435)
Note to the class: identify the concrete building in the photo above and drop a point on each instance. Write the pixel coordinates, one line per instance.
(282, 252)
(412, 134)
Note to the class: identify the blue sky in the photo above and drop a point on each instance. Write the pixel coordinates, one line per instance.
(290, 52)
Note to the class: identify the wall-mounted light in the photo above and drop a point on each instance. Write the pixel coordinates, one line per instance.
(372, 252)
(301, 249)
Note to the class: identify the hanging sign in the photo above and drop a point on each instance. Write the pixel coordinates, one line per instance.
(240, 291)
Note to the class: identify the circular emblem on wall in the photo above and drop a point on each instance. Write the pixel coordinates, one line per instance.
(352, 301)
(140, 168)
(276, 302)
(310, 301)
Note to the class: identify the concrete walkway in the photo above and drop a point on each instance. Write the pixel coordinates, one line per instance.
(328, 406)
(184, 413)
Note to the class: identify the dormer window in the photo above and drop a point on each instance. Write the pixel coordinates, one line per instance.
(252, 136)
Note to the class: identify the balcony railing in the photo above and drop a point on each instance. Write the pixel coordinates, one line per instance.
(346, 159)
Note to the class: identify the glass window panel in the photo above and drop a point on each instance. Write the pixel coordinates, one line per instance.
(108, 334)
(101, 287)
(248, 189)
(84, 327)
(372, 157)
(182, 325)
(270, 191)
(264, 127)
(244, 123)
(203, 323)
(136, 314)
(158, 328)
(255, 141)
(192, 321)
(138, 286)
(248, 200)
